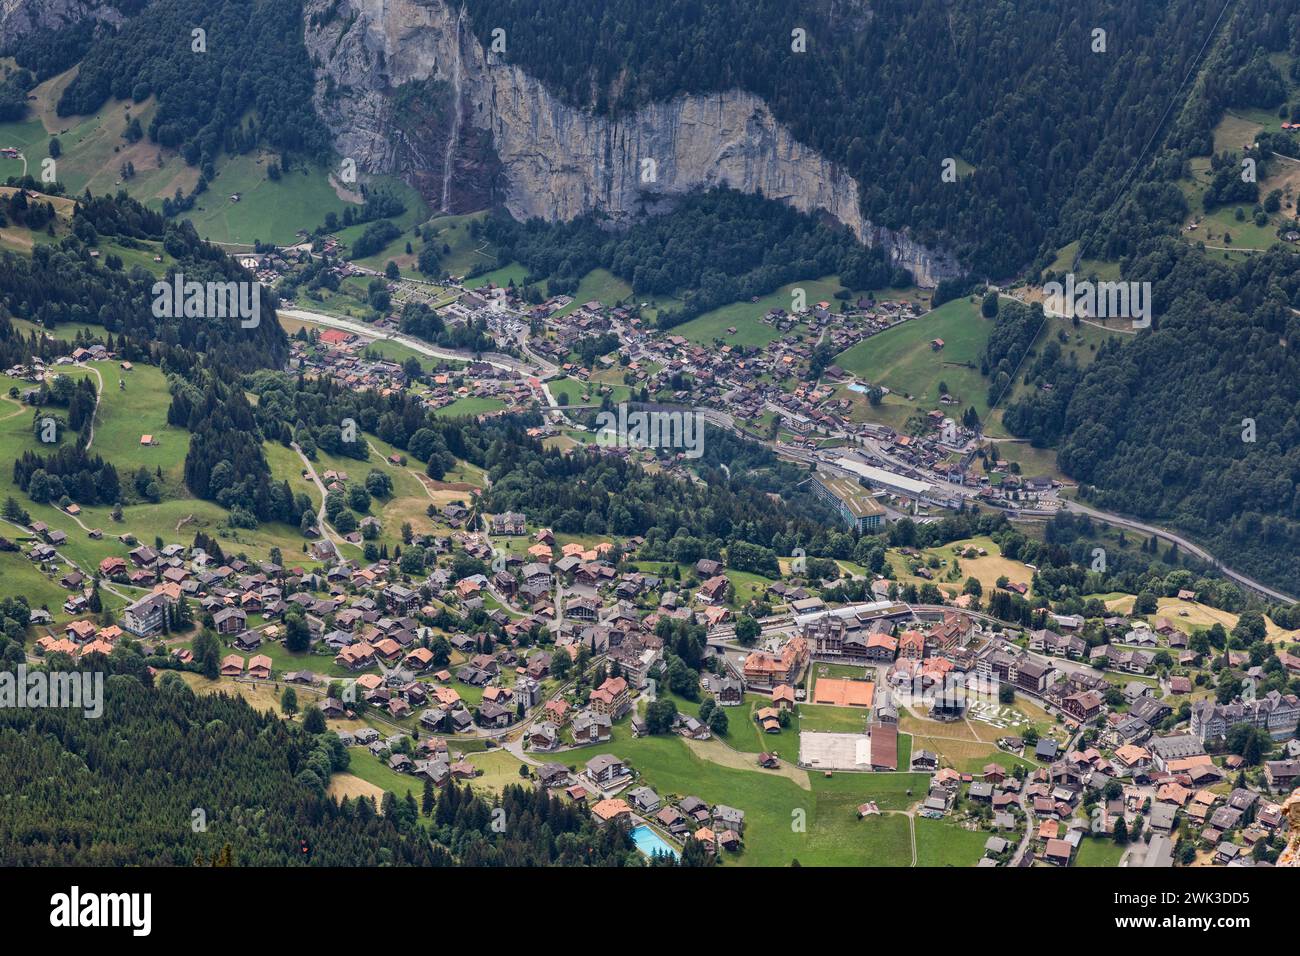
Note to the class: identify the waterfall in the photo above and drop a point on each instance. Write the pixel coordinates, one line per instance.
(449, 156)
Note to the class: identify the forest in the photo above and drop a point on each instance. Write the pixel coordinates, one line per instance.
(246, 81)
(1048, 123)
(1196, 421)
(170, 777)
(714, 248)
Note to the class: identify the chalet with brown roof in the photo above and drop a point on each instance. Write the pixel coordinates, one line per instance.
(232, 665)
(1084, 706)
(356, 656)
(558, 711)
(1058, 852)
(715, 590)
(80, 630)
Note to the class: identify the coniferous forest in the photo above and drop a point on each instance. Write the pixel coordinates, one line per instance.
(891, 89)
(168, 777)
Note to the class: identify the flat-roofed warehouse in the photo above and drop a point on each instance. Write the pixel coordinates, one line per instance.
(854, 503)
(898, 484)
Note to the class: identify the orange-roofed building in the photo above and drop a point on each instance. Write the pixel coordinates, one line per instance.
(911, 645)
(608, 811)
(80, 630)
(611, 697)
(839, 692)
(761, 668)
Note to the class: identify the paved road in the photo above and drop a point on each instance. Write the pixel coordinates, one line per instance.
(99, 394)
(327, 533)
(724, 420)
(1183, 543)
(496, 360)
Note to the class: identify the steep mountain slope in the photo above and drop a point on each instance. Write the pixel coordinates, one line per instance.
(1041, 106)
(557, 160)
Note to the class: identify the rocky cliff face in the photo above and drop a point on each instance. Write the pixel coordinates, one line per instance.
(557, 162)
(21, 17)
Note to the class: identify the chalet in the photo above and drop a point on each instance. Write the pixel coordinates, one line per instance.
(229, 620)
(1084, 706)
(582, 609)
(729, 691)
(644, 799)
(591, 728)
(766, 670)
(714, 591)
(1282, 775)
(494, 715)
(232, 665)
(611, 811)
(551, 775)
(543, 735)
(509, 523)
(401, 600)
(356, 656)
(1058, 852)
(729, 818)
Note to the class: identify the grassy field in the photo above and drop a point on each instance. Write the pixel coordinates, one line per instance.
(93, 150)
(1190, 616)
(272, 211)
(969, 756)
(20, 576)
(747, 317)
(458, 251)
(986, 569)
(1098, 852)
(826, 718)
(940, 843)
(473, 405)
(124, 415)
(903, 360)
(499, 767)
(783, 822)
(600, 285)
(502, 276)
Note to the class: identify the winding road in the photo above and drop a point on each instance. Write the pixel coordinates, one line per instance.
(506, 363)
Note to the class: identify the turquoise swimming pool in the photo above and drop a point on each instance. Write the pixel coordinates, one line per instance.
(650, 843)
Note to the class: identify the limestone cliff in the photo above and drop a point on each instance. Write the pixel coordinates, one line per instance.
(21, 17)
(555, 161)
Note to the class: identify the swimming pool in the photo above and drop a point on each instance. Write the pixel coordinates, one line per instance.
(650, 843)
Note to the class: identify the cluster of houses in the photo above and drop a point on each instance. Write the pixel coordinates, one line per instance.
(341, 356)
(605, 786)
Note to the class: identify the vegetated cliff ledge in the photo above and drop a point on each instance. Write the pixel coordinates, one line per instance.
(554, 161)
